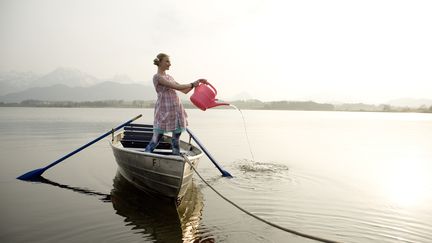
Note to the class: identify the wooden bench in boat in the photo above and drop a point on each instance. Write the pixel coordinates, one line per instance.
(139, 136)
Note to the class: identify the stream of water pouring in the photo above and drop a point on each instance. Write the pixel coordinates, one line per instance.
(244, 126)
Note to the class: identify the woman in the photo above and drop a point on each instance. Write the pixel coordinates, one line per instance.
(169, 114)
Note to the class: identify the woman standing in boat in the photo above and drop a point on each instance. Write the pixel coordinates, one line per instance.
(169, 113)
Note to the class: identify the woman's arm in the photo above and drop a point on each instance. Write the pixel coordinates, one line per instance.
(173, 85)
(193, 85)
(185, 91)
(184, 88)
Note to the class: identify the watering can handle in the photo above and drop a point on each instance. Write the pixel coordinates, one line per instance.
(214, 89)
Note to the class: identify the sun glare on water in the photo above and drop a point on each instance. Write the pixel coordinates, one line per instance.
(405, 182)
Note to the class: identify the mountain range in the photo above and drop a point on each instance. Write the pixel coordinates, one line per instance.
(69, 84)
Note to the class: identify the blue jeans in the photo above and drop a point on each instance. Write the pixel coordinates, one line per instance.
(175, 142)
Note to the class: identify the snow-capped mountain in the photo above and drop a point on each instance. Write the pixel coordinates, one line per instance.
(66, 76)
(16, 81)
(70, 84)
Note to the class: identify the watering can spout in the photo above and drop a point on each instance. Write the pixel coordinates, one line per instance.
(216, 103)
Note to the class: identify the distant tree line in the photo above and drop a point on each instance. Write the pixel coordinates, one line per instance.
(76, 104)
(241, 104)
(283, 105)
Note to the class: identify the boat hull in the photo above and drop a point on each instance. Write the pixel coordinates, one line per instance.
(168, 175)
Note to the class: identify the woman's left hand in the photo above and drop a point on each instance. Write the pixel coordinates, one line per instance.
(196, 83)
(202, 80)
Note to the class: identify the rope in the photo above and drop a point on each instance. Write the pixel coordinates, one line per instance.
(257, 217)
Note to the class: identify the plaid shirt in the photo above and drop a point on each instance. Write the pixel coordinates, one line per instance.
(169, 114)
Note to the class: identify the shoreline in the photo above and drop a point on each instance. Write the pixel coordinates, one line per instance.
(243, 105)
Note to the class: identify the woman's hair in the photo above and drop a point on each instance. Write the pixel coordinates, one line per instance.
(159, 58)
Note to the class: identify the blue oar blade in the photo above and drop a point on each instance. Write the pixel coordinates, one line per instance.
(35, 174)
(226, 174)
(32, 175)
(222, 171)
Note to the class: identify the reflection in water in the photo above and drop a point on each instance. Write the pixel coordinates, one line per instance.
(349, 176)
(151, 214)
(104, 197)
(155, 217)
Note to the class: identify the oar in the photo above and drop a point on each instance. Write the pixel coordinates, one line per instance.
(34, 174)
(224, 172)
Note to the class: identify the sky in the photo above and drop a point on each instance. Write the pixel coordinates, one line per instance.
(367, 51)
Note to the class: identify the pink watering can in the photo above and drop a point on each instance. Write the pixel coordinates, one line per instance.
(204, 97)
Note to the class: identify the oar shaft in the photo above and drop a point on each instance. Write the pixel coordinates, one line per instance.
(90, 143)
(31, 175)
(224, 172)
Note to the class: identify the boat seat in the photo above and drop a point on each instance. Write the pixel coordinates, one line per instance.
(133, 143)
(135, 128)
(138, 135)
(139, 126)
(166, 151)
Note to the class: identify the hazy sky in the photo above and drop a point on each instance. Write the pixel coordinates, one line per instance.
(350, 51)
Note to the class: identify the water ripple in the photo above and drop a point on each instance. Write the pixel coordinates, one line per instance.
(273, 191)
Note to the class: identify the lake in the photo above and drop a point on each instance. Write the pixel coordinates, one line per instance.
(342, 176)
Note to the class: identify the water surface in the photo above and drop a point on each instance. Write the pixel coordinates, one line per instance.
(344, 176)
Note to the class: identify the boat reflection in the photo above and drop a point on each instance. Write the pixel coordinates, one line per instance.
(158, 218)
(102, 196)
(166, 221)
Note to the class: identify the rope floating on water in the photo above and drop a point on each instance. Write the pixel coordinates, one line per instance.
(257, 217)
